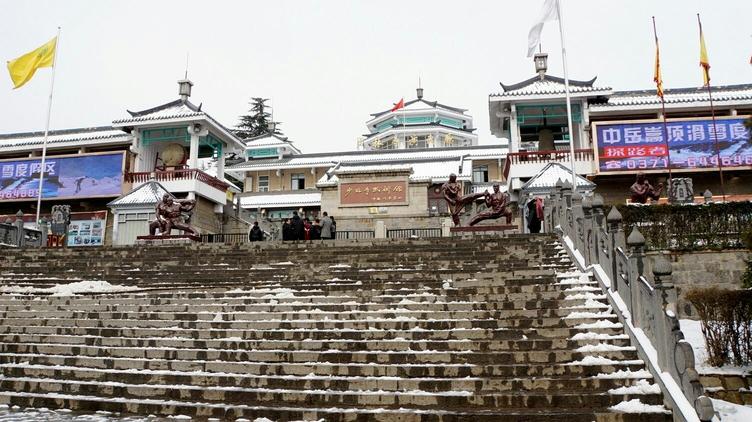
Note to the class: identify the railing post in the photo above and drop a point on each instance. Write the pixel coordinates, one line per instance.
(615, 240)
(595, 225)
(587, 230)
(577, 221)
(567, 220)
(636, 243)
(20, 234)
(44, 228)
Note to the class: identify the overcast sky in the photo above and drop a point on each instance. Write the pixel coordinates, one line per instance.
(326, 65)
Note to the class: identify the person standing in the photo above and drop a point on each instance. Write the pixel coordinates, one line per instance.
(288, 231)
(256, 234)
(334, 228)
(297, 225)
(326, 227)
(315, 232)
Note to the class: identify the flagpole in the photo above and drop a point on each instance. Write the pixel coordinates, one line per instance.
(712, 115)
(665, 123)
(47, 127)
(566, 90)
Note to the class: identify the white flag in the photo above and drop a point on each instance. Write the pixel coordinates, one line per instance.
(548, 13)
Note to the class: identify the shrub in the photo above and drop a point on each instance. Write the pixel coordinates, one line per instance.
(726, 318)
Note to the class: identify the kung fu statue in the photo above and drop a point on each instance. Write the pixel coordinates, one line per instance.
(641, 190)
(497, 206)
(168, 216)
(456, 202)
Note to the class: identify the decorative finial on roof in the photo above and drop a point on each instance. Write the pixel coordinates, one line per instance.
(184, 88)
(541, 64)
(420, 89)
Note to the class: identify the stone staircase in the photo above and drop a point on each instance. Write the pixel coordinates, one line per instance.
(484, 329)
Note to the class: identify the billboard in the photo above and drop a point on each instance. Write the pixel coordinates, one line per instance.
(641, 146)
(373, 193)
(77, 176)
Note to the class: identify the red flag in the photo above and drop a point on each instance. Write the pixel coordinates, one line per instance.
(399, 105)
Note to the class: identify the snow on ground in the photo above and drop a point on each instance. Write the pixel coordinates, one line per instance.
(86, 286)
(731, 412)
(16, 414)
(636, 406)
(693, 335)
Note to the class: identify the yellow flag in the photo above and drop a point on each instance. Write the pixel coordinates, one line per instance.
(704, 62)
(23, 68)
(657, 74)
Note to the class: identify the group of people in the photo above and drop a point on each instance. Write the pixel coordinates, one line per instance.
(297, 228)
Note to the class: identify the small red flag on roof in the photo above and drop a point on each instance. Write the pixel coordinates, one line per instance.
(399, 105)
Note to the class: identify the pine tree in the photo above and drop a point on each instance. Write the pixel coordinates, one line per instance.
(257, 122)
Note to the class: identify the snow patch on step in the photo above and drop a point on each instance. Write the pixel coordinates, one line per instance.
(597, 336)
(70, 289)
(600, 360)
(640, 387)
(636, 406)
(602, 347)
(625, 373)
(602, 323)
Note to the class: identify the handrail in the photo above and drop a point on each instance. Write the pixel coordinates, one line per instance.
(173, 175)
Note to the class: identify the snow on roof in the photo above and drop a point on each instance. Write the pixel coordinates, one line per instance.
(103, 135)
(550, 174)
(490, 152)
(551, 85)
(421, 104)
(277, 200)
(172, 110)
(149, 193)
(422, 171)
(637, 99)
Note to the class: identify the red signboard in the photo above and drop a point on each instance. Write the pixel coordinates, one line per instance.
(373, 193)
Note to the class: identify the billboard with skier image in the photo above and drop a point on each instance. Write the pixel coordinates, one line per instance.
(633, 146)
(75, 176)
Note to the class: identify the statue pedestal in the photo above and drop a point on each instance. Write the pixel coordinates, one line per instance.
(469, 231)
(158, 240)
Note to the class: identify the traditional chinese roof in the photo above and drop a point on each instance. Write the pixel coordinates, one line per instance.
(147, 194)
(551, 86)
(328, 159)
(178, 111)
(417, 127)
(648, 98)
(546, 179)
(434, 171)
(29, 141)
(269, 140)
(281, 199)
(419, 103)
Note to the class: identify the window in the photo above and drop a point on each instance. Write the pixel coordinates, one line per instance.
(417, 141)
(480, 174)
(248, 184)
(297, 181)
(263, 183)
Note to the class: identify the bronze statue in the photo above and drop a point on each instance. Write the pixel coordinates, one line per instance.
(642, 190)
(168, 212)
(497, 206)
(452, 191)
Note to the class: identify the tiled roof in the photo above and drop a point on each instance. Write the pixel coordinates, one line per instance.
(104, 135)
(427, 126)
(422, 171)
(550, 85)
(281, 200)
(742, 93)
(384, 156)
(546, 179)
(420, 101)
(173, 110)
(269, 140)
(147, 194)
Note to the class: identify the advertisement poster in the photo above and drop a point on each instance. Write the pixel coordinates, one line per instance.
(80, 176)
(86, 232)
(628, 146)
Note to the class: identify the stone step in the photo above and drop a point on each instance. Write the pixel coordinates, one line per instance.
(364, 398)
(287, 413)
(391, 356)
(318, 334)
(344, 344)
(405, 370)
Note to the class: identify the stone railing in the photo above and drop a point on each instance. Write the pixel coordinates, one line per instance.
(645, 301)
(14, 234)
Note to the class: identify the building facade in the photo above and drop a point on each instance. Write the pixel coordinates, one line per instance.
(617, 134)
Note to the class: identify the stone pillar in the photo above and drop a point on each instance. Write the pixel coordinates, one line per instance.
(596, 224)
(631, 293)
(615, 240)
(221, 165)
(578, 220)
(196, 130)
(446, 224)
(379, 230)
(587, 230)
(567, 220)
